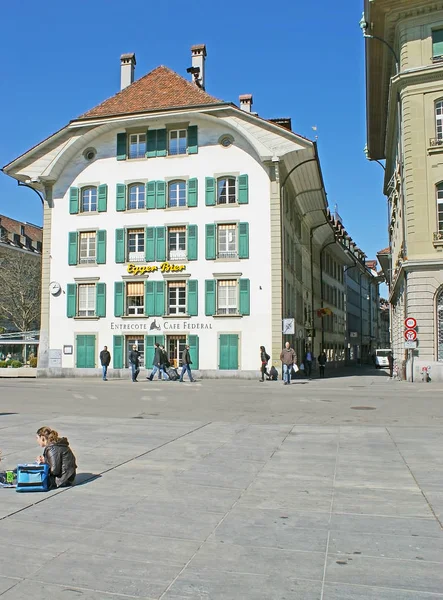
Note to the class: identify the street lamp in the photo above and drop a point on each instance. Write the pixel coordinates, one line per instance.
(364, 26)
(26, 184)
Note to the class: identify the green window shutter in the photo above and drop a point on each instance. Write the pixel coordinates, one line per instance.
(243, 240)
(160, 194)
(119, 298)
(117, 355)
(100, 300)
(149, 298)
(121, 146)
(120, 196)
(73, 200)
(243, 191)
(245, 303)
(150, 194)
(192, 245)
(90, 351)
(192, 297)
(233, 351)
(71, 300)
(160, 250)
(161, 142)
(159, 298)
(101, 247)
(193, 350)
(150, 244)
(119, 245)
(210, 289)
(192, 139)
(151, 143)
(437, 43)
(72, 248)
(210, 241)
(228, 351)
(210, 191)
(80, 351)
(102, 197)
(192, 192)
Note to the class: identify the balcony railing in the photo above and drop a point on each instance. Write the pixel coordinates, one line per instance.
(136, 256)
(177, 254)
(438, 237)
(227, 255)
(433, 142)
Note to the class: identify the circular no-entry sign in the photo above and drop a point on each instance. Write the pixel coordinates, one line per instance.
(410, 323)
(410, 335)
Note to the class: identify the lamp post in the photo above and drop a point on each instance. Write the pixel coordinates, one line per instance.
(23, 184)
(364, 26)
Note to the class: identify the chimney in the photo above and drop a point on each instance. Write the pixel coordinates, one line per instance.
(198, 62)
(246, 102)
(127, 62)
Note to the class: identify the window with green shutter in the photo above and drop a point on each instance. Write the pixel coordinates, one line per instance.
(120, 246)
(210, 241)
(192, 192)
(118, 349)
(72, 248)
(210, 191)
(161, 142)
(71, 300)
(85, 351)
(149, 299)
(228, 351)
(192, 297)
(73, 200)
(159, 287)
(210, 294)
(121, 146)
(160, 246)
(101, 247)
(160, 194)
(150, 194)
(194, 350)
(151, 144)
(120, 197)
(192, 246)
(150, 244)
(243, 189)
(245, 303)
(437, 43)
(100, 300)
(102, 198)
(119, 298)
(243, 240)
(192, 139)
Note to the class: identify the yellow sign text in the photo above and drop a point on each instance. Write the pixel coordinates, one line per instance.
(165, 267)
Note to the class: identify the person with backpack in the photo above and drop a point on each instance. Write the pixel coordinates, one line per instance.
(264, 357)
(186, 364)
(134, 362)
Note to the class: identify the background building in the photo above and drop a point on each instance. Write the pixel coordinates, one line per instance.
(404, 72)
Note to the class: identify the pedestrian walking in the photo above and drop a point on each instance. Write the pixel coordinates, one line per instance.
(156, 362)
(105, 361)
(134, 362)
(307, 361)
(391, 364)
(322, 360)
(164, 364)
(288, 357)
(186, 364)
(264, 358)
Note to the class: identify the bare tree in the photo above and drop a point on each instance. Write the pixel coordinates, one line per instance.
(20, 288)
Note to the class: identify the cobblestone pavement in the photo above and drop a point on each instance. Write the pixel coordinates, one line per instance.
(325, 490)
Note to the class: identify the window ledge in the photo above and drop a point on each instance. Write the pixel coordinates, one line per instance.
(134, 317)
(136, 159)
(226, 205)
(180, 316)
(135, 210)
(77, 318)
(177, 155)
(236, 316)
(435, 150)
(83, 265)
(87, 213)
(172, 208)
(227, 259)
(176, 276)
(86, 279)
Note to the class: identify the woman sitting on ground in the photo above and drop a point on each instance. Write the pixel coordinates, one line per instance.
(58, 455)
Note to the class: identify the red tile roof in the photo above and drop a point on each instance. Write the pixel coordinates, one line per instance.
(161, 88)
(371, 264)
(385, 251)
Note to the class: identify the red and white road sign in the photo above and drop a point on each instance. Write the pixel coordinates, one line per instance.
(410, 335)
(410, 323)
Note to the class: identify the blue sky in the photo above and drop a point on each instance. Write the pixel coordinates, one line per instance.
(304, 60)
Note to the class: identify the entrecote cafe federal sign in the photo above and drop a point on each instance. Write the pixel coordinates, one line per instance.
(164, 267)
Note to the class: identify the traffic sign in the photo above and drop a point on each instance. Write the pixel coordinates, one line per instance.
(410, 345)
(288, 326)
(410, 335)
(410, 323)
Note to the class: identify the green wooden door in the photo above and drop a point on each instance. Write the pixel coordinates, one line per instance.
(228, 351)
(85, 352)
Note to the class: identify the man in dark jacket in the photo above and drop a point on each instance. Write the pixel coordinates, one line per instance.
(134, 361)
(186, 362)
(105, 360)
(322, 360)
(156, 363)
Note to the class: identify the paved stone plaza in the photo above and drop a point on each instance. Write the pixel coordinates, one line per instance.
(220, 490)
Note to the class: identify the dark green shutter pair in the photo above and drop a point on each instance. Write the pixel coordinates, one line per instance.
(154, 298)
(244, 307)
(211, 241)
(437, 43)
(100, 300)
(100, 257)
(156, 243)
(228, 346)
(102, 200)
(211, 190)
(85, 351)
(156, 143)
